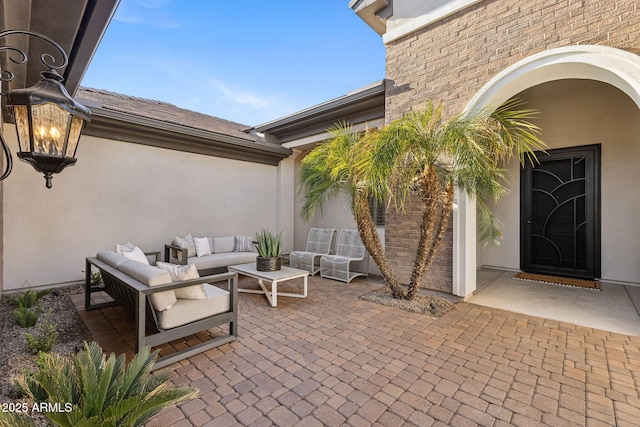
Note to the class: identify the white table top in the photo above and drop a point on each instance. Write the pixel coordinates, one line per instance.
(284, 273)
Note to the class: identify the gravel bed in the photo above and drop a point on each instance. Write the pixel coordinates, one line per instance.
(15, 357)
(429, 305)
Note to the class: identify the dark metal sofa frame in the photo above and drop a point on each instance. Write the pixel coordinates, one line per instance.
(173, 251)
(134, 297)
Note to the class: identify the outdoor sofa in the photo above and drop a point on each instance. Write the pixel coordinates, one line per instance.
(211, 254)
(167, 308)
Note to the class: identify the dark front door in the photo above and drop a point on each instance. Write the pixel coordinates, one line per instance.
(560, 205)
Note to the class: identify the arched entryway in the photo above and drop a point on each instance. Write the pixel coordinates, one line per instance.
(587, 95)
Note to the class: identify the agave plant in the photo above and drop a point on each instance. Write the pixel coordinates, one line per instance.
(267, 244)
(100, 391)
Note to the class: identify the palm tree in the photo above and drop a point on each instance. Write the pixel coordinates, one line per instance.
(423, 154)
(337, 167)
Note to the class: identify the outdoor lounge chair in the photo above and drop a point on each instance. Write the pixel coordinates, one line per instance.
(351, 259)
(318, 244)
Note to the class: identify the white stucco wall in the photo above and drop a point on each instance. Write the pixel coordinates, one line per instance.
(119, 192)
(584, 112)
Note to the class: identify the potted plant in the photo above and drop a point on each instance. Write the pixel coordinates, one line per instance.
(269, 247)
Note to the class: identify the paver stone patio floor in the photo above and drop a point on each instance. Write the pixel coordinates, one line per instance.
(333, 359)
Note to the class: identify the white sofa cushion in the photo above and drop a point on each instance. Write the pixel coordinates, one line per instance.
(202, 246)
(180, 273)
(151, 276)
(186, 311)
(112, 258)
(224, 259)
(136, 255)
(223, 244)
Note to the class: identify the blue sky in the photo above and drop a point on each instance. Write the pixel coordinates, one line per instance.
(249, 61)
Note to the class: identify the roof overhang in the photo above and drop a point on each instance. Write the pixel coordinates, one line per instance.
(77, 25)
(359, 106)
(373, 12)
(121, 126)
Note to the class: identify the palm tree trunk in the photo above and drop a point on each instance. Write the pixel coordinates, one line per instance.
(429, 187)
(446, 205)
(371, 241)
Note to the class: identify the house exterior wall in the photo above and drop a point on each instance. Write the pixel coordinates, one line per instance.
(452, 59)
(574, 113)
(119, 192)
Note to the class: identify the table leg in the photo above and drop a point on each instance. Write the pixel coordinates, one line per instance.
(272, 295)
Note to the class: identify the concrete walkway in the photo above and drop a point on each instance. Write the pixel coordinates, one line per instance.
(332, 359)
(611, 308)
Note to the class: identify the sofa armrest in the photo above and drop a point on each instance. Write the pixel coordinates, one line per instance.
(213, 278)
(180, 253)
(155, 254)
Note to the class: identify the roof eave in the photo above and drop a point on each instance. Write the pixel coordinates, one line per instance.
(373, 12)
(141, 130)
(94, 24)
(357, 106)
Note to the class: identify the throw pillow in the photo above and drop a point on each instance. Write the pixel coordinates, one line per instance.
(186, 242)
(180, 273)
(127, 247)
(202, 246)
(243, 244)
(224, 244)
(151, 276)
(137, 255)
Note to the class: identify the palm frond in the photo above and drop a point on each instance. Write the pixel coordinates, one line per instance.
(102, 391)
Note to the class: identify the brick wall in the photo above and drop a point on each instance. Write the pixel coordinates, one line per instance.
(401, 242)
(453, 59)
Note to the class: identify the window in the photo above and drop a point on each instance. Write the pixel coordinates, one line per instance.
(376, 209)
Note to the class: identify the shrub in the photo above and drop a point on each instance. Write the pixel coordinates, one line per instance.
(96, 278)
(29, 298)
(101, 390)
(25, 317)
(45, 337)
(15, 419)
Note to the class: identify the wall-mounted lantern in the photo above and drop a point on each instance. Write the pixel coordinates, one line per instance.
(48, 120)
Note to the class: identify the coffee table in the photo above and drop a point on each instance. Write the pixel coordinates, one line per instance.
(286, 273)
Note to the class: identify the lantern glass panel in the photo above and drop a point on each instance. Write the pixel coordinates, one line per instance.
(50, 127)
(74, 136)
(21, 114)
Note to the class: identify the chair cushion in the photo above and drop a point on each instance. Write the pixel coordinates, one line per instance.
(112, 258)
(186, 311)
(180, 273)
(151, 276)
